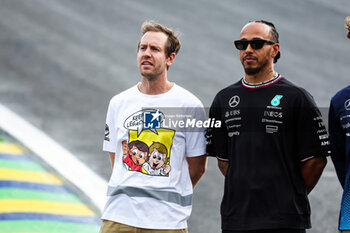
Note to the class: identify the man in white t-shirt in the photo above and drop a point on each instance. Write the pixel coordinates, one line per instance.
(156, 144)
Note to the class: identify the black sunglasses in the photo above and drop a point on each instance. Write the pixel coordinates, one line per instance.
(255, 43)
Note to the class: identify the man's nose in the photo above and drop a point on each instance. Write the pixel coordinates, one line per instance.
(249, 48)
(147, 52)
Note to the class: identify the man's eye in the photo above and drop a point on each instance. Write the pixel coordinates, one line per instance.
(142, 155)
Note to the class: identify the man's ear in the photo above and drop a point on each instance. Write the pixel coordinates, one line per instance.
(275, 49)
(171, 59)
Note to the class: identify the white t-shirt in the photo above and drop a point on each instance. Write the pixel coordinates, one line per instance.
(151, 135)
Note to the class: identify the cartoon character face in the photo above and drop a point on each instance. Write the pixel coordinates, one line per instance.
(138, 157)
(157, 159)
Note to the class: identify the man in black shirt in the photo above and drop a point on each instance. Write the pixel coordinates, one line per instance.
(272, 144)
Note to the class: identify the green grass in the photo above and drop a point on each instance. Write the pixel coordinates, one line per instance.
(38, 226)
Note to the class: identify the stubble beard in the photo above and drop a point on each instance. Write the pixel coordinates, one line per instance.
(149, 77)
(153, 75)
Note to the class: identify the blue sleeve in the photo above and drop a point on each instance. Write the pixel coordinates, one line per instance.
(337, 139)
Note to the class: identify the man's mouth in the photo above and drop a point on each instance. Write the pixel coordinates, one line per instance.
(154, 166)
(146, 63)
(249, 59)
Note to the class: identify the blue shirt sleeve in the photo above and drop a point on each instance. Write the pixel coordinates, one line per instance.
(337, 138)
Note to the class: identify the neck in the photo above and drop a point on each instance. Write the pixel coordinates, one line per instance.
(154, 86)
(261, 77)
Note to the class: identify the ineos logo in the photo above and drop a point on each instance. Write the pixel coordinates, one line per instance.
(234, 101)
(347, 104)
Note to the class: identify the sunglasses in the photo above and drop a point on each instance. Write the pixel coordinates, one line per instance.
(255, 43)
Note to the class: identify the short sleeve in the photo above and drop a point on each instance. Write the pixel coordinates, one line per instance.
(217, 136)
(195, 137)
(109, 142)
(313, 140)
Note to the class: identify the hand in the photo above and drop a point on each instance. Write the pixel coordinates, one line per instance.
(167, 169)
(125, 149)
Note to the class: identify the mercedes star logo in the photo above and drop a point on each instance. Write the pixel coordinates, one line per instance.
(234, 101)
(347, 104)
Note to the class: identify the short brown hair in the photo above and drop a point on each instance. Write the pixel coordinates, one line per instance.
(173, 43)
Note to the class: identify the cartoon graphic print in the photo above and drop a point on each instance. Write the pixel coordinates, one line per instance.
(135, 154)
(156, 164)
(142, 146)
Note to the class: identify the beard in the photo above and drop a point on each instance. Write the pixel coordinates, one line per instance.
(252, 71)
(152, 75)
(256, 70)
(149, 76)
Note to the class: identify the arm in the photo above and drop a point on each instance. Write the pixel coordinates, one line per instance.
(337, 138)
(223, 165)
(311, 171)
(112, 158)
(197, 167)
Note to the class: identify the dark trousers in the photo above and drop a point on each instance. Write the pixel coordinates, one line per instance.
(268, 231)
